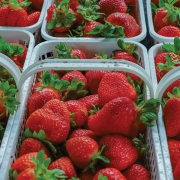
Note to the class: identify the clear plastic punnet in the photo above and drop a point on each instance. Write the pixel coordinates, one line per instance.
(46, 34)
(157, 38)
(43, 58)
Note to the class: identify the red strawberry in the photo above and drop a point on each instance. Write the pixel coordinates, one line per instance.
(33, 18)
(94, 78)
(115, 85)
(60, 17)
(169, 31)
(108, 7)
(81, 151)
(53, 118)
(37, 4)
(176, 172)
(27, 174)
(131, 28)
(171, 113)
(65, 164)
(121, 116)
(136, 172)
(78, 113)
(174, 152)
(87, 175)
(33, 145)
(4, 10)
(8, 102)
(110, 174)
(119, 150)
(24, 162)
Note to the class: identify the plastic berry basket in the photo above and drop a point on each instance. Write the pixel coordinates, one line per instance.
(46, 34)
(154, 160)
(157, 38)
(26, 38)
(35, 29)
(160, 88)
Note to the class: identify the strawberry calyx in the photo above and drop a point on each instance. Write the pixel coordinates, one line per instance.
(175, 93)
(88, 10)
(41, 136)
(41, 168)
(127, 47)
(62, 17)
(170, 64)
(147, 112)
(108, 30)
(52, 81)
(78, 31)
(5, 75)
(95, 110)
(64, 51)
(75, 90)
(102, 55)
(15, 5)
(12, 174)
(73, 123)
(7, 97)
(101, 177)
(94, 158)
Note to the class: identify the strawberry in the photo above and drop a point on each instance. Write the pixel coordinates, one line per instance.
(121, 116)
(136, 172)
(169, 31)
(78, 113)
(110, 174)
(8, 102)
(87, 175)
(171, 113)
(37, 4)
(83, 151)
(115, 85)
(94, 78)
(4, 10)
(176, 172)
(33, 18)
(53, 118)
(108, 7)
(38, 168)
(128, 22)
(126, 52)
(64, 164)
(60, 17)
(66, 52)
(25, 161)
(119, 150)
(174, 152)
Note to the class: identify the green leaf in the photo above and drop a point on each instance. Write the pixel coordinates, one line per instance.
(51, 24)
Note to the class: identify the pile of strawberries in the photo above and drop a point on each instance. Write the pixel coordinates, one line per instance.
(165, 16)
(165, 62)
(20, 13)
(87, 125)
(92, 18)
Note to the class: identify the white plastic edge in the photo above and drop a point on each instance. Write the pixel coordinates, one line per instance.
(138, 38)
(57, 64)
(8, 64)
(153, 34)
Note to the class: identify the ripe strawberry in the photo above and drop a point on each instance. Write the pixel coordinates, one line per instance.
(169, 31)
(64, 164)
(25, 161)
(174, 152)
(78, 113)
(66, 52)
(171, 113)
(94, 78)
(136, 172)
(33, 145)
(110, 174)
(176, 172)
(83, 151)
(115, 85)
(121, 116)
(60, 17)
(4, 10)
(87, 175)
(128, 22)
(37, 4)
(53, 118)
(118, 147)
(108, 7)
(33, 18)
(8, 102)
